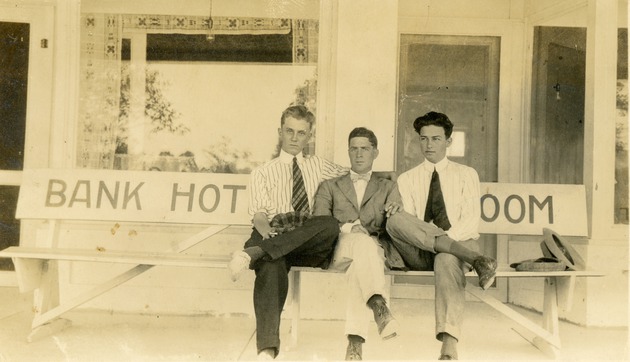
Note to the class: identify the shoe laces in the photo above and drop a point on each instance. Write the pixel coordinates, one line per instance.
(381, 311)
(354, 351)
(484, 265)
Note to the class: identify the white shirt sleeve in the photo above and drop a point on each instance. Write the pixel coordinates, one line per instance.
(466, 212)
(405, 187)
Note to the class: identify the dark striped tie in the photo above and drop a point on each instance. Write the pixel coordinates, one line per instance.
(299, 199)
(436, 209)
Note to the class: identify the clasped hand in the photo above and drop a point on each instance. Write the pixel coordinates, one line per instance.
(391, 208)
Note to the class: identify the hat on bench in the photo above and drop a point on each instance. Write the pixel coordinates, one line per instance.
(540, 265)
(555, 246)
(558, 255)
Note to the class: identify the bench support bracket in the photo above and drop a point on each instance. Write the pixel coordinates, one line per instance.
(48, 307)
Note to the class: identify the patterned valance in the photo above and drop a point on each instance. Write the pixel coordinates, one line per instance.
(203, 24)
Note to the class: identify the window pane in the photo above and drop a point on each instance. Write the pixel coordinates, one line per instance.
(161, 94)
(621, 144)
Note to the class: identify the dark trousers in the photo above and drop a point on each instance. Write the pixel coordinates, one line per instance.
(311, 244)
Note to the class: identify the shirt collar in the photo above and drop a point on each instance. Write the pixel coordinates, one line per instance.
(288, 158)
(369, 174)
(440, 166)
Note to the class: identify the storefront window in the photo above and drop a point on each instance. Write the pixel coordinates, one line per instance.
(190, 93)
(621, 143)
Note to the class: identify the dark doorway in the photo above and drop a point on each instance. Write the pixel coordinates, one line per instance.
(14, 54)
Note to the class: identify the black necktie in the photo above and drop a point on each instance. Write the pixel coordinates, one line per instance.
(436, 210)
(299, 200)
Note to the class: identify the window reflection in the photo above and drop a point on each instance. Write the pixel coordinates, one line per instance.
(165, 96)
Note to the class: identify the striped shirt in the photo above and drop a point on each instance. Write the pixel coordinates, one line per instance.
(272, 183)
(460, 187)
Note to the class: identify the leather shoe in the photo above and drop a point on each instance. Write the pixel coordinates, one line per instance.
(354, 351)
(486, 268)
(446, 357)
(386, 323)
(240, 261)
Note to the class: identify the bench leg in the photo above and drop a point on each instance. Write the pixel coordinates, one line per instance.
(46, 298)
(550, 319)
(29, 273)
(48, 329)
(50, 311)
(84, 297)
(545, 340)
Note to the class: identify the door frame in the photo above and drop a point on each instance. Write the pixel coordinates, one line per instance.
(39, 94)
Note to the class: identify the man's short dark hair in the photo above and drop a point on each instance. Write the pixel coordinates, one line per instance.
(434, 119)
(363, 132)
(298, 112)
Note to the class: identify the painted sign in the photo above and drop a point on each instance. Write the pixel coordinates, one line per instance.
(528, 208)
(204, 198)
(173, 197)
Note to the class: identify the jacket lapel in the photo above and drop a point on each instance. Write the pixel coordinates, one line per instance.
(370, 190)
(347, 188)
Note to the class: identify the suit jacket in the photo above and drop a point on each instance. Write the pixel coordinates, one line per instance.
(336, 197)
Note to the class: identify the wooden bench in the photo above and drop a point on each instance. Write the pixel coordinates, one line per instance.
(219, 202)
(512, 209)
(57, 196)
(558, 292)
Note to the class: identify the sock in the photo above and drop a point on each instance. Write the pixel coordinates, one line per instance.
(444, 244)
(355, 338)
(449, 345)
(374, 299)
(255, 252)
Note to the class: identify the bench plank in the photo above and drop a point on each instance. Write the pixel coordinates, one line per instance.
(126, 257)
(502, 271)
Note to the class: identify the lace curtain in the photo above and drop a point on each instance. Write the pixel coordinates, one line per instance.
(100, 73)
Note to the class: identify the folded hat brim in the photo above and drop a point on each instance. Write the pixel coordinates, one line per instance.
(558, 247)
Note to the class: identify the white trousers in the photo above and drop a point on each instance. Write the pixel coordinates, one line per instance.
(363, 259)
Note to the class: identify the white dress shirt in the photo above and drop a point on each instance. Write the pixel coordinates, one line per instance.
(460, 187)
(271, 184)
(359, 189)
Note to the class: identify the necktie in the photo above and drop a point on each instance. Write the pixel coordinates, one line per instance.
(436, 210)
(299, 200)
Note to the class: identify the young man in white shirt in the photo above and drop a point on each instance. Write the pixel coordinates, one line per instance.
(438, 230)
(273, 192)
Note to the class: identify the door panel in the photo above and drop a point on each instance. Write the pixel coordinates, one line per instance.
(458, 76)
(558, 88)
